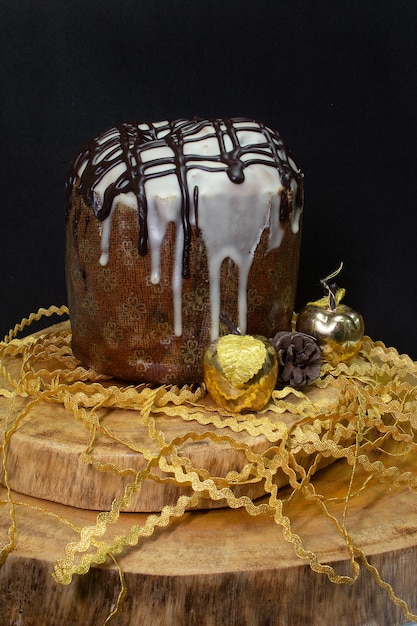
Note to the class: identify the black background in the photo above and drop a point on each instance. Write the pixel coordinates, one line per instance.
(337, 79)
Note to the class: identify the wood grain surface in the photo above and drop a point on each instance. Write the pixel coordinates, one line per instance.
(208, 567)
(44, 454)
(219, 567)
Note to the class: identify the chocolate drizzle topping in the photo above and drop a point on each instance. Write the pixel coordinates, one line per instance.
(127, 145)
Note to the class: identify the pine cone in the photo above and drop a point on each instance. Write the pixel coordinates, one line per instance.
(298, 358)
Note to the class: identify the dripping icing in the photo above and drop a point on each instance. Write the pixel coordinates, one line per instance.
(235, 177)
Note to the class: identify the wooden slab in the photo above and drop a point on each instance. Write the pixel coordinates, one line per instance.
(44, 455)
(208, 567)
(220, 566)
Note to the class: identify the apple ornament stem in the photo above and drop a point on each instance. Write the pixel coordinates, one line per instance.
(337, 328)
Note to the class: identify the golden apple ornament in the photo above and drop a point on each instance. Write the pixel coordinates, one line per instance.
(337, 328)
(240, 371)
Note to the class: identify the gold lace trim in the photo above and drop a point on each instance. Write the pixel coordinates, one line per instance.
(372, 425)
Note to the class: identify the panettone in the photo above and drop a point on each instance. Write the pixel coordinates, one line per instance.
(168, 224)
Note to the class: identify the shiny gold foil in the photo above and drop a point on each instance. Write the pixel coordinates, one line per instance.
(240, 372)
(338, 331)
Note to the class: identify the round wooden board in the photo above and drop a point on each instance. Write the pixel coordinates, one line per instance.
(219, 567)
(206, 568)
(44, 454)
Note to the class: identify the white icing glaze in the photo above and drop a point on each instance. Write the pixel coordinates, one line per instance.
(232, 217)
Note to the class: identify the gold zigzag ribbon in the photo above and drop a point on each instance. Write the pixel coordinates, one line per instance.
(371, 425)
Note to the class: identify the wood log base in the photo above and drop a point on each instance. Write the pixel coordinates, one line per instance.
(218, 567)
(207, 567)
